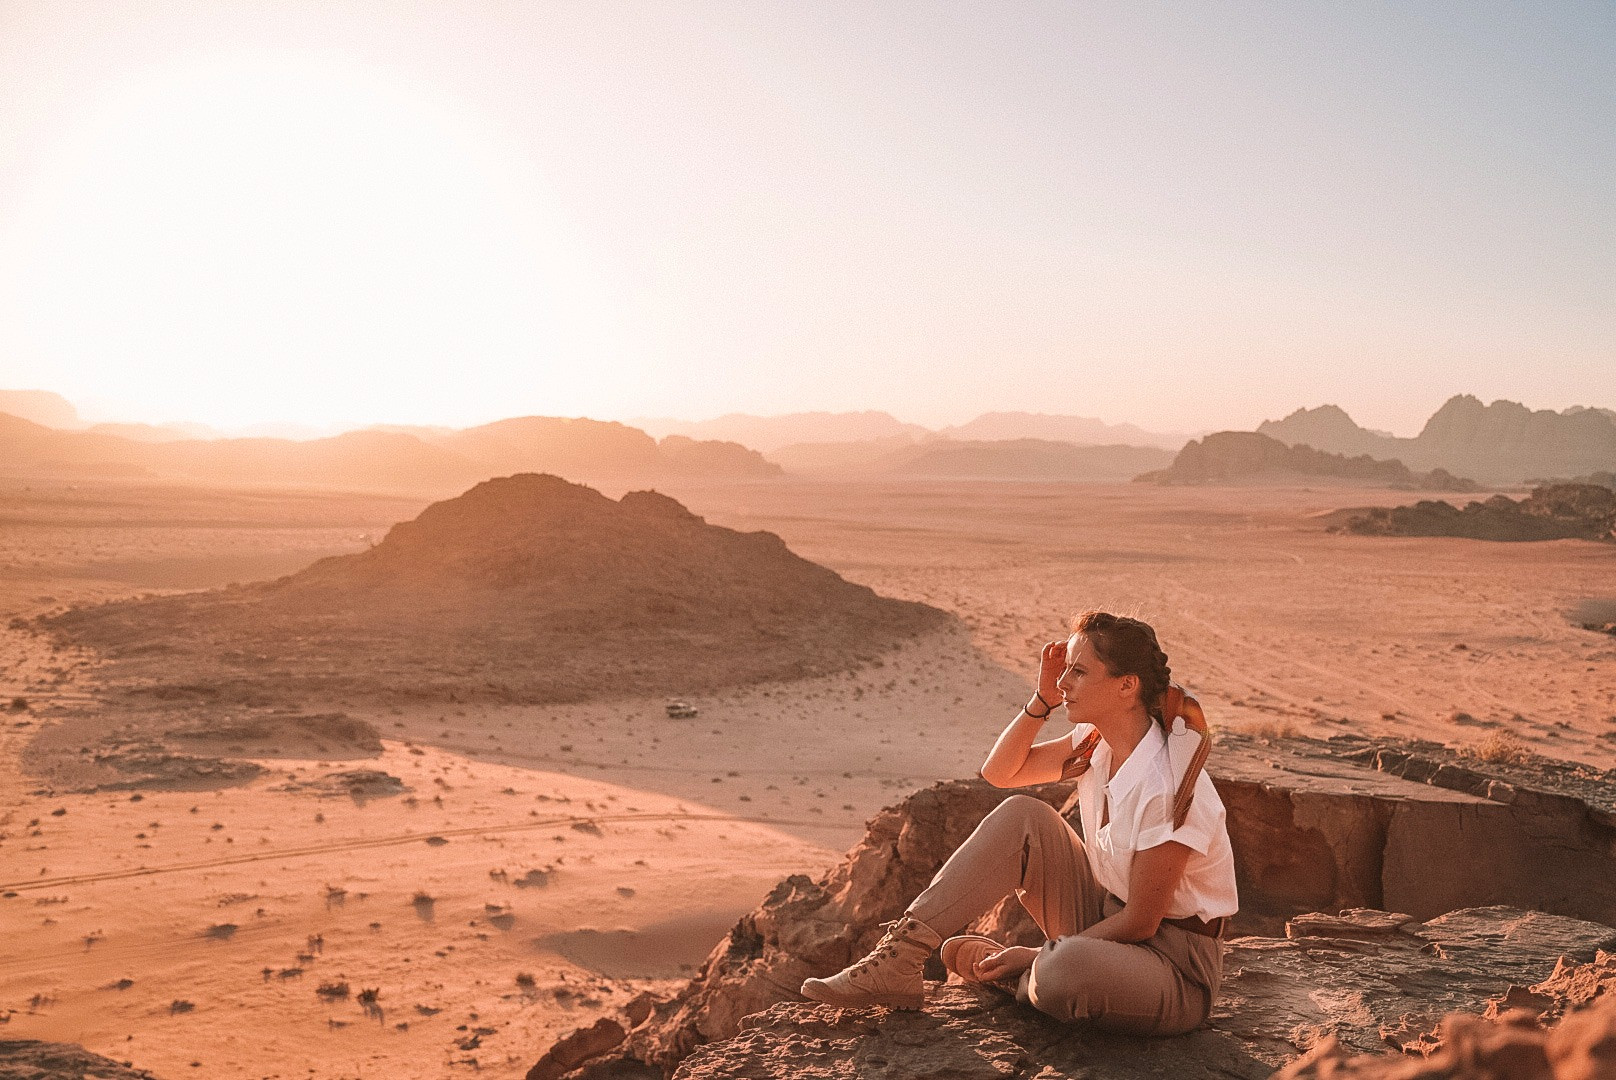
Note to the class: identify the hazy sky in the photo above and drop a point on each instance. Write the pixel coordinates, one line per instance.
(1185, 215)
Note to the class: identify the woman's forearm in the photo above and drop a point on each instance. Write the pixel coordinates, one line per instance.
(1009, 752)
(1124, 926)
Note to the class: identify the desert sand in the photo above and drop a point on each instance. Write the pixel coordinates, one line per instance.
(498, 873)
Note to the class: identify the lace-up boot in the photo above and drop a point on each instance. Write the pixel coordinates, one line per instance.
(890, 975)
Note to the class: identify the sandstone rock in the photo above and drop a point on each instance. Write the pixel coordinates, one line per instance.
(1316, 827)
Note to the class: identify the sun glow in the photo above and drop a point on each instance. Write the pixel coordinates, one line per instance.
(256, 238)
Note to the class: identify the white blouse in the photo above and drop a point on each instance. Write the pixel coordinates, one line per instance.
(1141, 802)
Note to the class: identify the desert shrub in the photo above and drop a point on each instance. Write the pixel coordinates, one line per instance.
(1500, 748)
(332, 991)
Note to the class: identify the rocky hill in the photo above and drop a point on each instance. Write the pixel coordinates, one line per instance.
(1316, 826)
(525, 588)
(1501, 443)
(1552, 512)
(1245, 456)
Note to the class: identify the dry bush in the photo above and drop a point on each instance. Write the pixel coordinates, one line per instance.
(1500, 748)
(1271, 729)
(332, 991)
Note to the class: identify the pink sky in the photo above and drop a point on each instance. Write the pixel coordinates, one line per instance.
(1186, 216)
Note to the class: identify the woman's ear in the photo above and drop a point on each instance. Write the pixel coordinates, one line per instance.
(1130, 686)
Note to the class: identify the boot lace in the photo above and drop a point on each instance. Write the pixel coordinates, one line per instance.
(886, 948)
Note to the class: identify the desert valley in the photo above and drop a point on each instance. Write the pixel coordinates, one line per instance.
(293, 789)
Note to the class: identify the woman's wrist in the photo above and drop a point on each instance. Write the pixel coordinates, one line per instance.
(1038, 707)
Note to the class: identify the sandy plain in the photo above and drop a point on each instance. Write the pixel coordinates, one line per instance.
(538, 865)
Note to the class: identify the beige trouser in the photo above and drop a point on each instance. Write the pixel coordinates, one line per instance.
(1162, 986)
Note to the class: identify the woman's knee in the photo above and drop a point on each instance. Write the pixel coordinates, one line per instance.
(1086, 979)
(1023, 808)
(1061, 982)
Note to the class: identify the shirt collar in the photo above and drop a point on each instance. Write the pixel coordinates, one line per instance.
(1137, 767)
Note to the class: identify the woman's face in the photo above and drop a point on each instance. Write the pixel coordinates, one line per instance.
(1087, 687)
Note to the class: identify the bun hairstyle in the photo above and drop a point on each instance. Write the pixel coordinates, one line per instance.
(1127, 646)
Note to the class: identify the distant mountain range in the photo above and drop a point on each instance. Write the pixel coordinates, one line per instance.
(436, 460)
(1083, 430)
(767, 434)
(1501, 443)
(955, 459)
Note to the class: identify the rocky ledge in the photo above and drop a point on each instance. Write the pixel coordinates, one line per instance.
(1497, 880)
(1366, 977)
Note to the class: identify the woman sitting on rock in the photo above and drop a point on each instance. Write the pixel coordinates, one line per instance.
(1133, 914)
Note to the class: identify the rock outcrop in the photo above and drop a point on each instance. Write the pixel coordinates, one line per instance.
(30, 1059)
(1316, 826)
(1552, 512)
(1234, 456)
(525, 588)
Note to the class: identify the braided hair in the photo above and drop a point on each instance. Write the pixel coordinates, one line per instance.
(1127, 646)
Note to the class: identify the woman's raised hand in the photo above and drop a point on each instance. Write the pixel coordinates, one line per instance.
(1051, 665)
